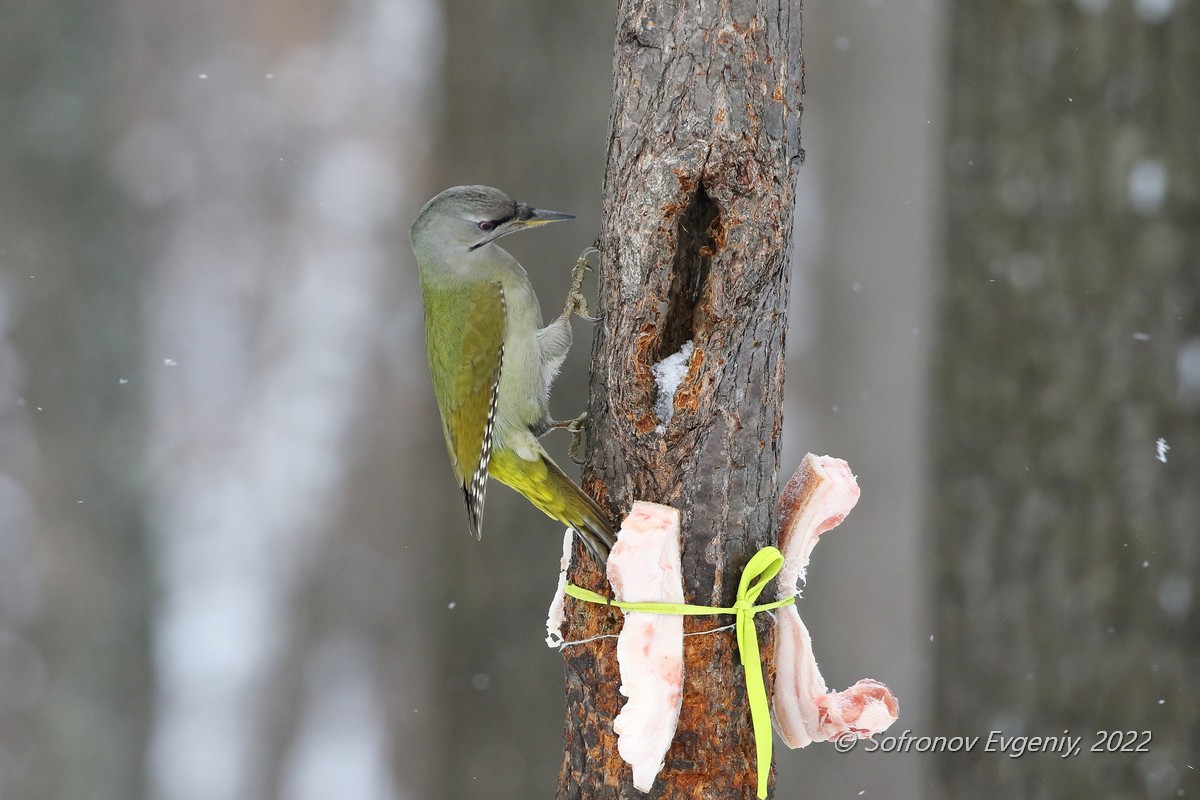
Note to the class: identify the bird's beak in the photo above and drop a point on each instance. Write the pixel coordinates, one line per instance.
(540, 216)
(526, 217)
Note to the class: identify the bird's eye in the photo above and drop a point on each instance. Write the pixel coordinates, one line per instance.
(486, 225)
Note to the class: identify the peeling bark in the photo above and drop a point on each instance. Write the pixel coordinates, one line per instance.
(703, 145)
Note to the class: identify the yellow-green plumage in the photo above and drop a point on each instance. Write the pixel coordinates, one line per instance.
(464, 336)
(552, 492)
(491, 360)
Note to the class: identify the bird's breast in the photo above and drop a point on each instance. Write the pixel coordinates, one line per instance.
(521, 402)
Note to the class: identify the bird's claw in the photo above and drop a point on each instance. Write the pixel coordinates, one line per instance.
(576, 303)
(575, 426)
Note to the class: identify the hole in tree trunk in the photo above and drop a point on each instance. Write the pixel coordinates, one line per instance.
(689, 273)
(698, 226)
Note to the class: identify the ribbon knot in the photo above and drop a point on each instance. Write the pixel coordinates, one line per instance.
(764, 566)
(759, 571)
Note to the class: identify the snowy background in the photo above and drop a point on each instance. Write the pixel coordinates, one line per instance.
(233, 564)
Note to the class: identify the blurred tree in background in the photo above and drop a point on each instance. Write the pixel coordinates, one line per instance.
(201, 209)
(75, 566)
(232, 560)
(525, 98)
(1068, 553)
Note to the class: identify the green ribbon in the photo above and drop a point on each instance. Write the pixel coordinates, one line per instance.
(764, 566)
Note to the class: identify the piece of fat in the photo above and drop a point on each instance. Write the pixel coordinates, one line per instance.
(644, 566)
(557, 613)
(804, 710)
(817, 498)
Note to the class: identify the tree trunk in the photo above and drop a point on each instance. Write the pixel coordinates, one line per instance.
(1067, 550)
(698, 205)
(76, 591)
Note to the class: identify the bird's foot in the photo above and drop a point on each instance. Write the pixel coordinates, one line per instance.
(576, 303)
(575, 426)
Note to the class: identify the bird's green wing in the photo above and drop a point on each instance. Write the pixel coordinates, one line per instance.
(464, 334)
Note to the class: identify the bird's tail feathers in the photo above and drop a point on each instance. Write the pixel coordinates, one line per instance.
(557, 496)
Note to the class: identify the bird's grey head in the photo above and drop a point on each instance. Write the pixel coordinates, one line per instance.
(468, 217)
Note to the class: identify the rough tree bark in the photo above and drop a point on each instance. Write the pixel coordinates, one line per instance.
(704, 141)
(1067, 552)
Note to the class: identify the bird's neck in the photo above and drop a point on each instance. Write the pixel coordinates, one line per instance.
(488, 263)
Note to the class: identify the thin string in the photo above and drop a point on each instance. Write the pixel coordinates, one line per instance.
(764, 566)
(574, 642)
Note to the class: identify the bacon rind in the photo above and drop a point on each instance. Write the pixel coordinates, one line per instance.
(644, 566)
(816, 499)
